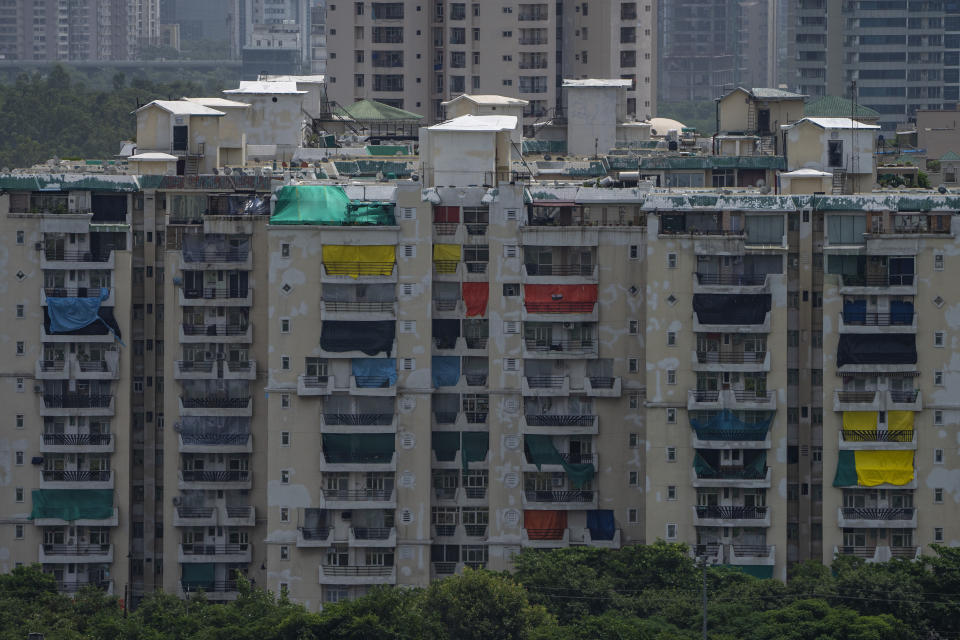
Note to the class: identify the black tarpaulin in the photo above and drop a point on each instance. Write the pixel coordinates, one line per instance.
(445, 333)
(369, 337)
(737, 309)
(94, 328)
(889, 348)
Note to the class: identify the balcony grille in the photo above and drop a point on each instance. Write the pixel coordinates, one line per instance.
(579, 495)
(876, 513)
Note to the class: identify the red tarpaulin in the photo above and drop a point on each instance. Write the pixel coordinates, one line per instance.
(545, 525)
(476, 294)
(560, 298)
(446, 214)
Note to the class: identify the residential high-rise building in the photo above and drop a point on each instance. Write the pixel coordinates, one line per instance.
(416, 58)
(901, 57)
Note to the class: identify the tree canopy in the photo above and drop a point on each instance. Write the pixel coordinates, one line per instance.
(639, 593)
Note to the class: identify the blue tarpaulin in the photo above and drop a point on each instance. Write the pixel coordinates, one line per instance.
(68, 314)
(855, 312)
(901, 312)
(727, 426)
(600, 523)
(445, 370)
(375, 372)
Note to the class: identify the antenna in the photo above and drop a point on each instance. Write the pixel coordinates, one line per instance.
(854, 156)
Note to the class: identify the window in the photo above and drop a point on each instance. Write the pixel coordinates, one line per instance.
(284, 438)
(19, 310)
(511, 289)
(284, 476)
(633, 515)
(633, 365)
(285, 248)
(19, 458)
(284, 400)
(938, 378)
(20, 348)
(938, 534)
(284, 553)
(938, 496)
(671, 376)
(634, 440)
(18, 494)
(938, 338)
(633, 478)
(19, 236)
(138, 384)
(671, 416)
(284, 325)
(938, 262)
(20, 385)
(634, 252)
(285, 363)
(634, 400)
(18, 532)
(671, 531)
(671, 454)
(938, 417)
(284, 514)
(19, 421)
(671, 261)
(938, 456)
(671, 492)
(671, 338)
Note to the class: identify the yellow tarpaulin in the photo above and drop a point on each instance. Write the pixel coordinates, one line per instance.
(354, 261)
(884, 467)
(860, 420)
(446, 257)
(900, 420)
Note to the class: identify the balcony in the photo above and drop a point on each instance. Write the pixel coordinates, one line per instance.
(212, 259)
(569, 311)
(877, 517)
(194, 517)
(215, 480)
(358, 310)
(720, 361)
(194, 369)
(545, 538)
(77, 443)
(214, 297)
(359, 272)
(56, 479)
(737, 477)
(215, 590)
(200, 552)
(314, 385)
(568, 499)
(752, 554)
(879, 284)
(362, 461)
(110, 521)
(216, 333)
(764, 327)
(76, 259)
(602, 386)
(870, 553)
(308, 537)
(51, 370)
(560, 349)
(77, 404)
(216, 406)
(372, 537)
(75, 554)
(731, 516)
(76, 292)
(734, 399)
(357, 574)
(239, 370)
(856, 401)
(559, 273)
(560, 424)
(904, 400)
(732, 283)
(73, 586)
(872, 322)
(106, 369)
(877, 440)
(546, 386)
(214, 442)
(359, 499)
(372, 385)
(238, 516)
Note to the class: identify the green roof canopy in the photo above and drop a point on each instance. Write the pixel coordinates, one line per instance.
(373, 111)
(72, 504)
(950, 156)
(836, 107)
(328, 205)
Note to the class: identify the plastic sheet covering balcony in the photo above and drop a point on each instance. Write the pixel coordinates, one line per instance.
(900, 420)
(541, 451)
(846, 229)
(846, 265)
(240, 205)
(359, 260)
(544, 525)
(107, 324)
(197, 247)
(328, 205)
(446, 257)
(600, 524)
(72, 504)
(358, 448)
(737, 309)
(859, 420)
(445, 333)
(369, 337)
(374, 373)
(185, 207)
(198, 427)
(754, 468)
(445, 445)
(203, 389)
(71, 314)
(476, 295)
(445, 371)
(198, 575)
(901, 312)
(476, 444)
(559, 298)
(446, 292)
(359, 292)
(873, 468)
(766, 229)
(855, 311)
(725, 425)
(895, 348)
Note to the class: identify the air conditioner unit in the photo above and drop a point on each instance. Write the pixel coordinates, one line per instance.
(38, 246)
(37, 388)
(346, 515)
(176, 501)
(568, 325)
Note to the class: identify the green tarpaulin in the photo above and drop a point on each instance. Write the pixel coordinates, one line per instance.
(355, 448)
(475, 447)
(543, 452)
(388, 150)
(846, 475)
(445, 445)
(72, 504)
(200, 574)
(761, 571)
(327, 205)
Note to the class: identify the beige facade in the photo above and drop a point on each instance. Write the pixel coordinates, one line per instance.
(416, 60)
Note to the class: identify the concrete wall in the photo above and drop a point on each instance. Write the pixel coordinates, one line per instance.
(592, 114)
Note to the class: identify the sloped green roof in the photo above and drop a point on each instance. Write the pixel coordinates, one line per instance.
(68, 182)
(836, 107)
(950, 156)
(674, 163)
(373, 111)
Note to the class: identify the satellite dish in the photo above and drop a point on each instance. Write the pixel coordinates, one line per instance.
(761, 183)
(227, 171)
(765, 189)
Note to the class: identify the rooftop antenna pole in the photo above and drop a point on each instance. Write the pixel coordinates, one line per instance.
(854, 156)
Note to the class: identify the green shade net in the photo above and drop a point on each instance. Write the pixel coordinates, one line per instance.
(388, 150)
(543, 452)
(761, 571)
(475, 447)
(199, 574)
(445, 445)
(846, 475)
(327, 205)
(355, 448)
(72, 504)
(702, 467)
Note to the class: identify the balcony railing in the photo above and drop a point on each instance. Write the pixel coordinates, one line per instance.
(76, 549)
(315, 382)
(755, 395)
(77, 439)
(899, 280)
(732, 512)
(214, 586)
(240, 511)
(476, 267)
(216, 256)
(445, 493)
(858, 551)
(215, 402)
(76, 476)
(705, 396)
(445, 530)
(752, 550)
(364, 570)
(195, 512)
(69, 586)
(371, 533)
(476, 343)
(731, 279)
(905, 396)
(560, 420)
(367, 495)
(201, 366)
(602, 382)
(559, 269)
(76, 400)
(200, 549)
(476, 379)
(212, 293)
(732, 474)
(444, 568)
(93, 366)
(858, 397)
(475, 530)
(72, 292)
(70, 255)
(315, 533)
(546, 382)
(373, 382)
(872, 319)
(445, 228)
(878, 513)
(234, 475)
(214, 329)
(475, 417)
(559, 307)
(445, 417)
(51, 366)
(445, 305)
(358, 419)
(215, 438)
(357, 306)
(576, 495)
(358, 268)
(859, 435)
(475, 493)
(562, 346)
(731, 357)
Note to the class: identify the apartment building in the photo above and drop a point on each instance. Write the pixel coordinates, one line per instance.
(902, 56)
(417, 56)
